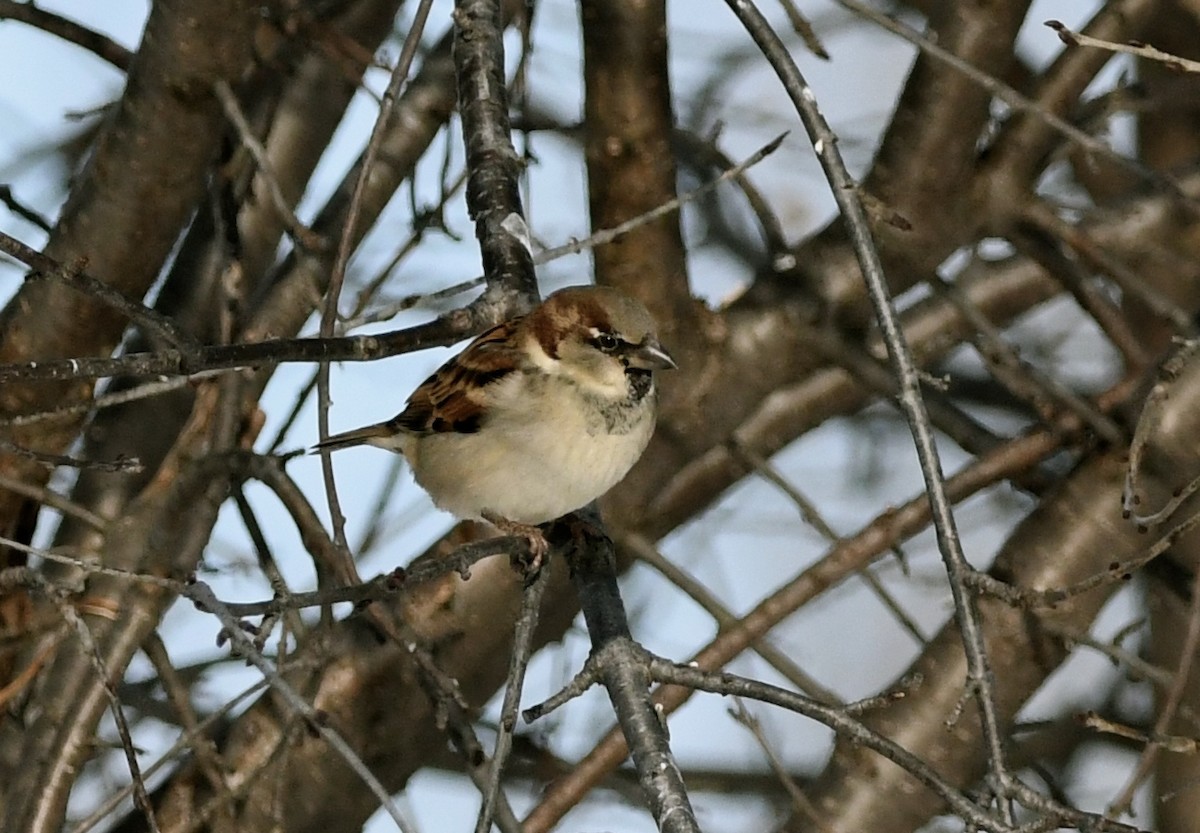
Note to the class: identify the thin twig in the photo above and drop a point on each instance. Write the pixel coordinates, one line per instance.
(813, 517)
(201, 595)
(180, 698)
(461, 731)
(1018, 102)
(74, 276)
(425, 220)
(301, 400)
(1136, 48)
(610, 234)
(107, 400)
(1116, 572)
(1172, 743)
(703, 153)
(126, 464)
(1021, 378)
(65, 609)
(645, 551)
(1154, 409)
(575, 246)
(302, 234)
(1130, 281)
(531, 605)
(801, 805)
(16, 684)
(266, 563)
(616, 661)
(851, 555)
(183, 744)
(672, 673)
(48, 497)
(1168, 707)
(1162, 677)
(845, 193)
(207, 359)
(89, 566)
(459, 560)
(9, 199)
(345, 244)
(1045, 250)
(803, 29)
(100, 45)
(376, 517)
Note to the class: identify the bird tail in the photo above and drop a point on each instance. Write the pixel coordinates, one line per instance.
(359, 436)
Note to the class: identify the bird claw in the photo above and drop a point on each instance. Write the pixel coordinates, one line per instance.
(527, 562)
(539, 547)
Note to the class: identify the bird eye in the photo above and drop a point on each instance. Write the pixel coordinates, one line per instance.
(607, 342)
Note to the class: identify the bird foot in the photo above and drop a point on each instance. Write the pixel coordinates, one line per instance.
(538, 545)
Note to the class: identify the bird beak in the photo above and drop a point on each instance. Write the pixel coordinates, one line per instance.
(650, 355)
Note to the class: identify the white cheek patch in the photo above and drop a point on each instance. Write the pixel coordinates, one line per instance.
(539, 358)
(604, 377)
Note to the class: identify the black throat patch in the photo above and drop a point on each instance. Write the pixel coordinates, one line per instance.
(640, 382)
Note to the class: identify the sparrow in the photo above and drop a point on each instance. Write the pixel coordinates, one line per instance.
(537, 417)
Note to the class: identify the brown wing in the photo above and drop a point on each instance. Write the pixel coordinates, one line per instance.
(452, 399)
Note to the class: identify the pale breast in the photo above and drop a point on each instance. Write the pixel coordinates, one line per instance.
(535, 464)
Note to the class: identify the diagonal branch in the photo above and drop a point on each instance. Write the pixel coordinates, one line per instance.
(981, 684)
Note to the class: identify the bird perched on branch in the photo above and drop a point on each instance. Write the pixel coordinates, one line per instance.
(537, 417)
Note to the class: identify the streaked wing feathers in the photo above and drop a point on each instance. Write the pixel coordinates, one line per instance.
(453, 398)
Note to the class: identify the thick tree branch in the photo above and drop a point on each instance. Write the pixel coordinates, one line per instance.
(128, 194)
(494, 169)
(628, 126)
